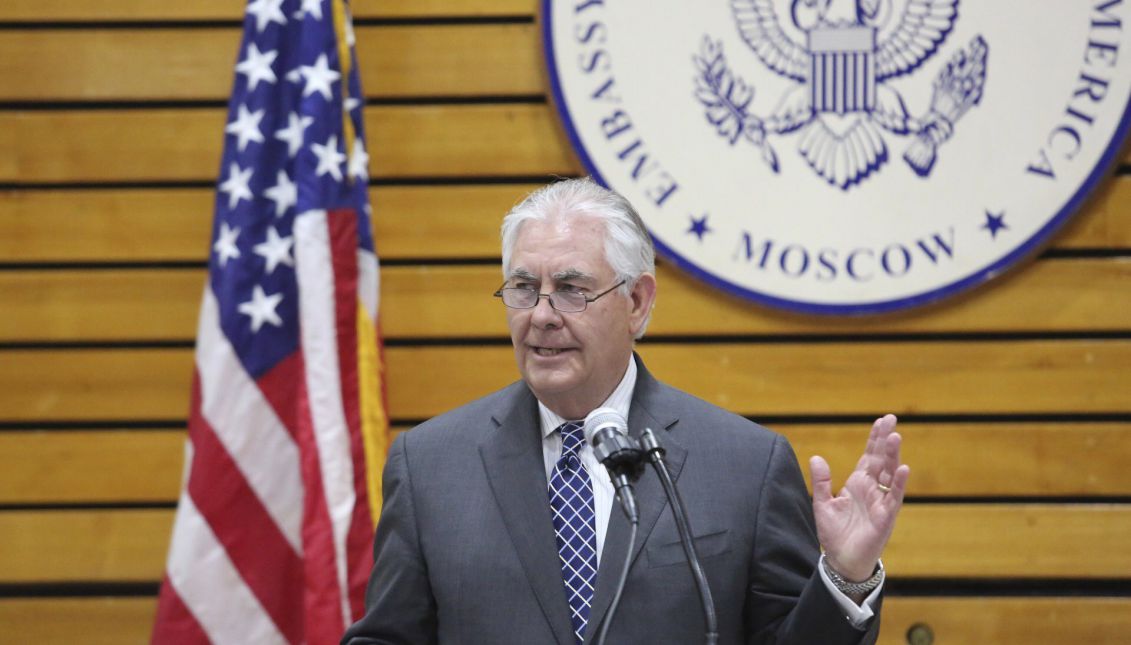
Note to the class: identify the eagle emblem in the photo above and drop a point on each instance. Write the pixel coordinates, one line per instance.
(843, 99)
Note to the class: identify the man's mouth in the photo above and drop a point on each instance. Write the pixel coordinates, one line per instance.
(549, 351)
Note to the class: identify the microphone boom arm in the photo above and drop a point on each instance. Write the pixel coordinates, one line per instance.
(655, 454)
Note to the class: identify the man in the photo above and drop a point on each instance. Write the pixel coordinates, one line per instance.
(498, 523)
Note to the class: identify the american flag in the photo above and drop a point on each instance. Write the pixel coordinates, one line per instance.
(287, 430)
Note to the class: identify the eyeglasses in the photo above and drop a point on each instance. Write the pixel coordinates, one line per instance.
(569, 302)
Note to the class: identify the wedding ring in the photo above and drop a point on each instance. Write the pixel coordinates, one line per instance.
(886, 489)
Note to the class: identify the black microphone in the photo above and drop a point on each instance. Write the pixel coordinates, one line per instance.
(607, 431)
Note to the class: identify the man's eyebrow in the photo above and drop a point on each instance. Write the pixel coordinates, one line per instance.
(571, 274)
(522, 274)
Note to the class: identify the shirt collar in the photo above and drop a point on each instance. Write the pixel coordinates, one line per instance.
(619, 400)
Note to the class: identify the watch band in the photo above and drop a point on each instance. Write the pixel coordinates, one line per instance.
(853, 588)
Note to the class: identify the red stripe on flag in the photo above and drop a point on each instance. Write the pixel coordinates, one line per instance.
(253, 542)
(321, 598)
(280, 385)
(175, 624)
(359, 542)
(360, 557)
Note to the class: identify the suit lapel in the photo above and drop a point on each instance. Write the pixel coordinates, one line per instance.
(646, 412)
(512, 457)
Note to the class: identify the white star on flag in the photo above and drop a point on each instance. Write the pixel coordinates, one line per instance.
(266, 12)
(284, 193)
(225, 246)
(359, 161)
(329, 159)
(261, 308)
(237, 184)
(293, 133)
(352, 104)
(318, 77)
(275, 250)
(257, 66)
(246, 126)
(310, 8)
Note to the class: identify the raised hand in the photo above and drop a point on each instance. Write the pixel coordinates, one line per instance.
(854, 526)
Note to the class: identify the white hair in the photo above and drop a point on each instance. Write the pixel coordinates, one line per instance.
(628, 246)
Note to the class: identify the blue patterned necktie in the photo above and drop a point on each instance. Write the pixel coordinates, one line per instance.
(571, 500)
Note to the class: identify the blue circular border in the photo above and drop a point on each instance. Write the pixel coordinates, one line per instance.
(1002, 265)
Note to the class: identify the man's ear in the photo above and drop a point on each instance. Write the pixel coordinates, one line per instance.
(643, 297)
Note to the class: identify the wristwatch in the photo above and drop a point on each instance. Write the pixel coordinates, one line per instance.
(849, 588)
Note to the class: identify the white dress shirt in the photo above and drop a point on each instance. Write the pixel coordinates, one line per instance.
(604, 493)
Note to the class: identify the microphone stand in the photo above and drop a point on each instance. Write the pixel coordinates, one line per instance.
(655, 454)
(624, 465)
(608, 620)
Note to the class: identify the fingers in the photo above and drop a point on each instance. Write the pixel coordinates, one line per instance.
(894, 475)
(865, 463)
(883, 427)
(890, 460)
(898, 487)
(876, 451)
(822, 479)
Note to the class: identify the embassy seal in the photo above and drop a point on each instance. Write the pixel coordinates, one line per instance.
(844, 157)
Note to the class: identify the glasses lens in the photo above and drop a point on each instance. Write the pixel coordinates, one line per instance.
(567, 301)
(519, 298)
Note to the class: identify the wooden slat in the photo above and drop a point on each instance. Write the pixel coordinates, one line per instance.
(162, 304)
(860, 378)
(417, 222)
(184, 144)
(123, 384)
(426, 8)
(108, 305)
(92, 621)
(1021, 540)
(118, 64)
(112, 466)
(197, 64)
(1102, 223)
(421, 222)
(110, 145)
(453, 60)
(1007, 621)
(148, 10)
(1033, 377)
(949, 459)
(106, 225)
(933, 540)
(450, 141)
(977, 459)
(1000, 621)
(90, 546)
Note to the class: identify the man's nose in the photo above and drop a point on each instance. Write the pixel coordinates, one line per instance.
(544, 315)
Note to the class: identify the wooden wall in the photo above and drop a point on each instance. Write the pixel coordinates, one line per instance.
(1016, 399)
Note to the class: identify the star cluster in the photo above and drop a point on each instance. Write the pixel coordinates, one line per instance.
(287, 151)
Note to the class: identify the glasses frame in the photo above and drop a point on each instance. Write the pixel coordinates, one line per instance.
(588, 299)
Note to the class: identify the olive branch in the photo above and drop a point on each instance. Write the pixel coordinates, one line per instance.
(727, 99)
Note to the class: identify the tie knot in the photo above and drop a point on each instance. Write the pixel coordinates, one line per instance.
(572, 437)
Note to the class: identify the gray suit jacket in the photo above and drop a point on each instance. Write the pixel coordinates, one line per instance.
(465, 549)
